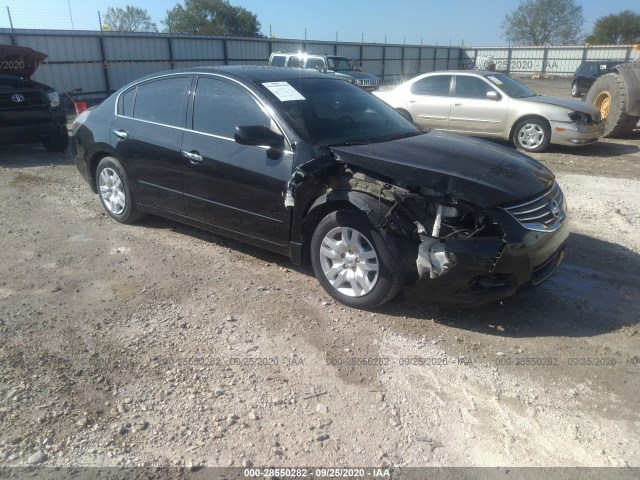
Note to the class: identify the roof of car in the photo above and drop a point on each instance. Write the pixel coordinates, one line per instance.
(253, 73)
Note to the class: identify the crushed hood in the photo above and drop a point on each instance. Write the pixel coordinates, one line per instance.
(19, 61)
(477, 171)
(575, 105)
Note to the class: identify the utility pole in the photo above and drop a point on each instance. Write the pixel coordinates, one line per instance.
(70, 15)
(100, 20)
(14, 39)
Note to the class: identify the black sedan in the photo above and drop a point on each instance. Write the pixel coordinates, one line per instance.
(316, 169)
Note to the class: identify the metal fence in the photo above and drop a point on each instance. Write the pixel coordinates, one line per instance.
(561, 61)
(101, 62)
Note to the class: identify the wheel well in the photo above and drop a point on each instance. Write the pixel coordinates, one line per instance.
(528, 117)
(312, 219)
(93, 167)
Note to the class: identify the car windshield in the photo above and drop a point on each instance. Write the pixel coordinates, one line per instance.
(340, 64)
(333, 112)
(510, 86)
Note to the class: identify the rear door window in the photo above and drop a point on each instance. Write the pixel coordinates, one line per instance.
(435, 86)
(163, 101)
(278, 60)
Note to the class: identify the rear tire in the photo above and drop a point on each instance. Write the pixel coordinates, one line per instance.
(610, 94)
(114, 190)
(58, 142)
(352, 262)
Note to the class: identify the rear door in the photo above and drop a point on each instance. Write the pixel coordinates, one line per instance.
(147, 133)
(471, 110)
(236, 188)
(429, 101)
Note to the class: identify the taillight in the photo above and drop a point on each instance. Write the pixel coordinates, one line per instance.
(79, 120)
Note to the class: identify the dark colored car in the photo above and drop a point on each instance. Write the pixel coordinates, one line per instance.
(587, 73)
(30, 112)
(314, 168)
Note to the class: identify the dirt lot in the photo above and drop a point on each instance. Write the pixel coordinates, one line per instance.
(158, 344)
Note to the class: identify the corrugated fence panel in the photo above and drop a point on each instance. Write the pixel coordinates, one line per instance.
(137, 48)
(197, 49)
(88, 76)
(319, 48)
(607, 53)
(282, 46)
(349, 51)
(125, 72)
(247, 49)
(5, 39)
(372, 53)
(373, 67)
(64, 48)
(197, 63)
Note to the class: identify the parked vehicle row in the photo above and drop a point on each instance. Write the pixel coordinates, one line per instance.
(341, 67)
(312, 167)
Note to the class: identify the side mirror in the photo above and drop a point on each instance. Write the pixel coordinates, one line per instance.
(258, 135)
(493, 95)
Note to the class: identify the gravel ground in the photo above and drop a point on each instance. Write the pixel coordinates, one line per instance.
(158, 344)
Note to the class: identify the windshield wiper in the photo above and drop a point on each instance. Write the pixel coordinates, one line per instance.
(401, 135)
(345, 144)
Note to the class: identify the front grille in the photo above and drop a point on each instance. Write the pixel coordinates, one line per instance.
(31, 99)
(543, 212)
(368, 83)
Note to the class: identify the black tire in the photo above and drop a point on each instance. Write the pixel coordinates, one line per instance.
(110, 167)
(574, 90)
(405, 114)
(388, 282)
(537, 126)
(616, 121)
(58, 142)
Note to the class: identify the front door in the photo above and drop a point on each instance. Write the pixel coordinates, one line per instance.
(236, 188)
(473, 112)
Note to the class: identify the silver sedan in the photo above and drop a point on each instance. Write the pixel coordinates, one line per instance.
(491, 104)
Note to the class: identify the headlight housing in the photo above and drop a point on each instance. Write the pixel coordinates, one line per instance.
(580, 118)
(54, 98)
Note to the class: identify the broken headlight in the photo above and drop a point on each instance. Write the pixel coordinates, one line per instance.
(580, 118)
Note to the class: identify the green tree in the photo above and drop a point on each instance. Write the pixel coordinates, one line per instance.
(129, 19)
(542, 22)
(212, 17)
(619, 29)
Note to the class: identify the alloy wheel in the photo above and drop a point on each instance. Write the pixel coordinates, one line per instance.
(531, 135)
(349, 261)
(112, 191)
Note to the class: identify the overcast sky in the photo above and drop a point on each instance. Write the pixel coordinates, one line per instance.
(474, 22)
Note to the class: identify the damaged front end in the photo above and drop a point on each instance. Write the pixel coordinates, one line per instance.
(450, 252)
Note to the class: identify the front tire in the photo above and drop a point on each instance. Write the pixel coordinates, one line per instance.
(574, 89)
(532, 135)
(115, 191)
(352, 261)
(610, 94)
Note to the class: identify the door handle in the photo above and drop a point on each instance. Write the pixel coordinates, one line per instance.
(193, 156)
(457, 104)
(121, 134)
(412, 101)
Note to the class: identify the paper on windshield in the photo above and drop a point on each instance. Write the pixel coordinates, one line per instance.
(284, 91)
(494, 80)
